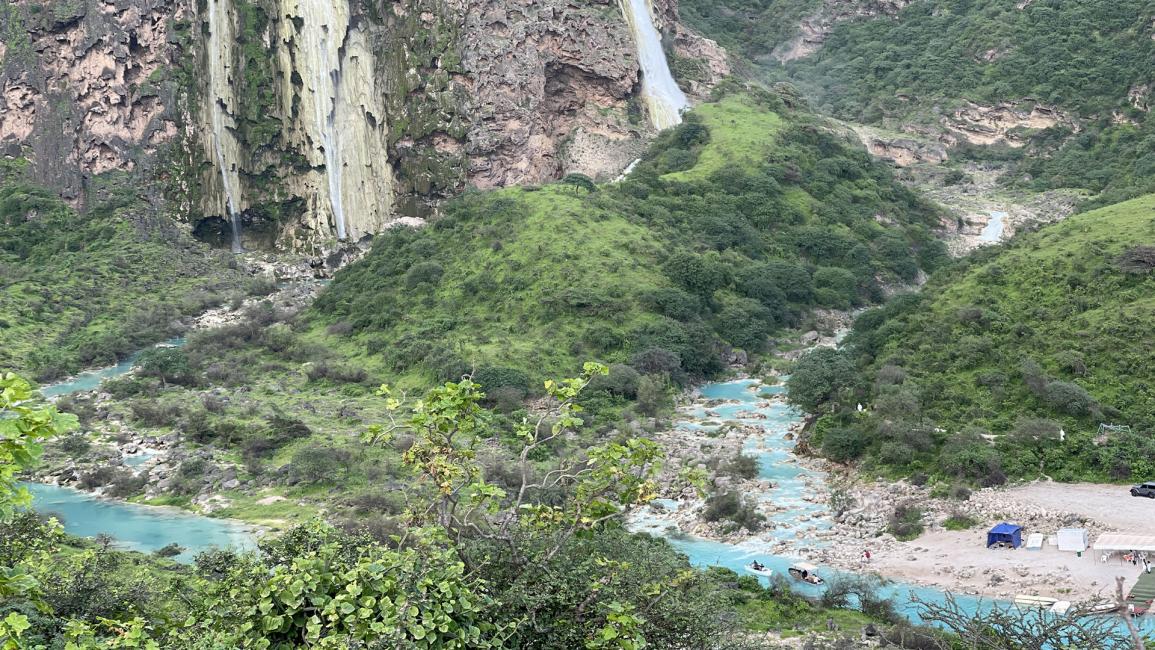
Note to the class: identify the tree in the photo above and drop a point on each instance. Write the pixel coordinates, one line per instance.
(580, 181)
(1006, 628)
(818, 378)
(544, 511)
(1036, 436)
(328, 590)
(25, 423)
(167, 364)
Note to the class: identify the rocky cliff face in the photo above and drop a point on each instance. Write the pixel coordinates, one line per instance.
(317, 118)
(86, 93)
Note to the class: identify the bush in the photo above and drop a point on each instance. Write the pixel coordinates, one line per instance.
(746, 324)
(505, 399)
(741, 466)
(818, 377)
(152, 413)
(673, 303)
(959, 521)
(656, 361)
(731, 506)
(494, 377)
(169, 550)
(622, 380)
(337, 373)
(906, 522)
(126, 484)
(653, 397)
(75, 445)
(698, 274)
(169, 365)
(317, 464)
(1070, 398)
(843, 445)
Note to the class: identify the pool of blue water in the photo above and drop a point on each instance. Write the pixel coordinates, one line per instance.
(90, 379)
(136, 527)
(136, 460)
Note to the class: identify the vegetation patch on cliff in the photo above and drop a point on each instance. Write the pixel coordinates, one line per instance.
(1007, 364)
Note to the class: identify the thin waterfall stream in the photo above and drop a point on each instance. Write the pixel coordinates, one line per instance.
(221, 93)
(664, 99)
(321, 37)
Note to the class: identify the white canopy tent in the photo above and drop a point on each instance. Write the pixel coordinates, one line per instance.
(1125, 542)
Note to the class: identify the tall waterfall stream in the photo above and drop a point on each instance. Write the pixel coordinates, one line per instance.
(664, 99)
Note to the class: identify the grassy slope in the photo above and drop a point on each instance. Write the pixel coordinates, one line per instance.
(740, 135)
(542, 278)
(80, 290)
(1050, 296)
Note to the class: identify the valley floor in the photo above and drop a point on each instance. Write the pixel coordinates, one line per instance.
(949, 560)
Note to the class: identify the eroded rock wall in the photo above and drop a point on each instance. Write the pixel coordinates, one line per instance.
(86, 90)
(814, 29)
(415, 101)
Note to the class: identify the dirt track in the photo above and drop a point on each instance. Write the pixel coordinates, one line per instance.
(1110, 505)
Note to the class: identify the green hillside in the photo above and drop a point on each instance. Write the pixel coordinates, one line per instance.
(1053, 332)
(83, 290)
(1082, 57)
(734, 225)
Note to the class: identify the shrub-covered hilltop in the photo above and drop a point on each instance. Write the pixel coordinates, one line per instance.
(1007, 365)
(735, 224)
(79, 290)
(1091, 59)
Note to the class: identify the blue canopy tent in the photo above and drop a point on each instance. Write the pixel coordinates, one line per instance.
(1005, 534)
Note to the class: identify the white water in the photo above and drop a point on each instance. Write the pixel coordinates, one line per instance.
(664, 99)
(320, 37)
(993, 231)
(220, 93)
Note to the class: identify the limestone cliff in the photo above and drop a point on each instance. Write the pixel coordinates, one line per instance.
(306, 120)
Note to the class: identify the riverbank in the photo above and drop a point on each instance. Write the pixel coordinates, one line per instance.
(792, 492)
(114, 459)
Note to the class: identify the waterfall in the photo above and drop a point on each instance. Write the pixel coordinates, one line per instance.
(664, 98)
(323, 36)
(220, 95)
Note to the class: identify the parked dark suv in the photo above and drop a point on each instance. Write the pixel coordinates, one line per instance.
(1144, 490)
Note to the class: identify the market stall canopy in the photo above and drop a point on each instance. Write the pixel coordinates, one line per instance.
(1125, 542)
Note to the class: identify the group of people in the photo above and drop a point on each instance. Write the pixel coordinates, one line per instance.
(1136, 557)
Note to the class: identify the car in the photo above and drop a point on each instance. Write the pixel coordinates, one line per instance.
(1144, 490)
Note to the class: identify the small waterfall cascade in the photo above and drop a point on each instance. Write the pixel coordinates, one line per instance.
(324, 34)
(664, 99)
(220, 98)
